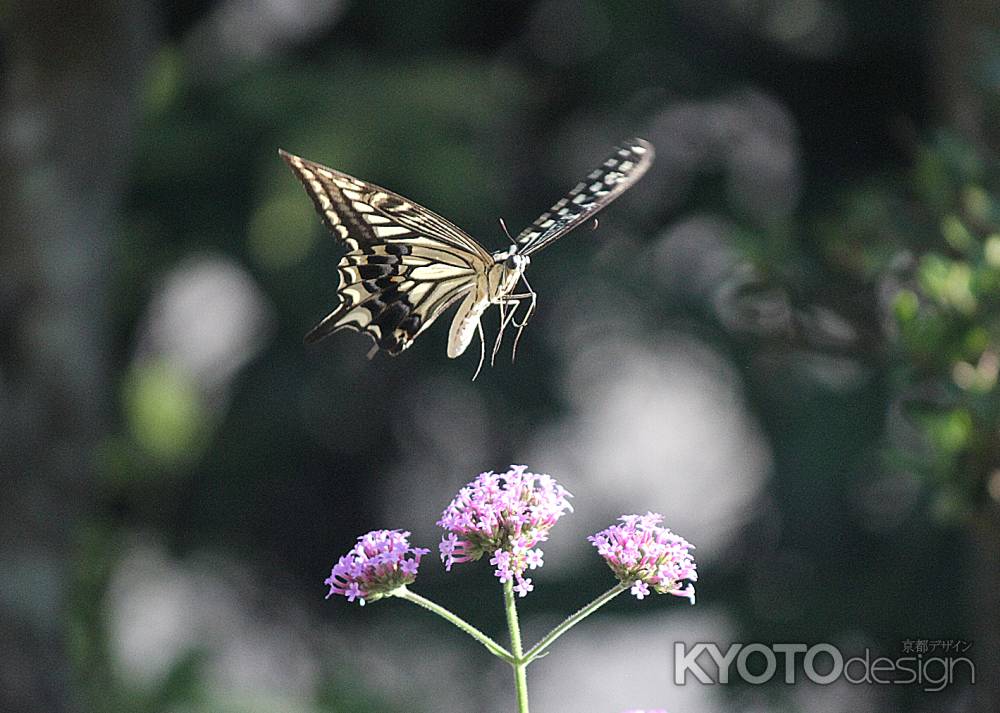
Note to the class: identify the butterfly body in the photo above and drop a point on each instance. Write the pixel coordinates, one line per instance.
(406, 265)
(495, 287)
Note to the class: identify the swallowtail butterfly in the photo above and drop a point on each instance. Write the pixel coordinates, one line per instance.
(405, 265)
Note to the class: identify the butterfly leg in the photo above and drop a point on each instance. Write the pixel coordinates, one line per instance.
(482, 348)
(505, 321)
(520, 327)
(516, 301)
(530, 295)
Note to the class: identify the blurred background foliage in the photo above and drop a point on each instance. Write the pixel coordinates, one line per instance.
(785, 338)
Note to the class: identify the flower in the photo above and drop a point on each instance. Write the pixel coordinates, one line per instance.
(504, 515)
(644, 555)
(640, 590)
(376, 566)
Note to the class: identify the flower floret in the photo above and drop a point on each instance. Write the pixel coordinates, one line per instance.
(505, 515)
(645, 555)
(381, 562)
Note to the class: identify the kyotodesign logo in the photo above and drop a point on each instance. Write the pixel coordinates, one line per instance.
(932, 665)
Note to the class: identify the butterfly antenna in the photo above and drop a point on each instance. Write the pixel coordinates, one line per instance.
(503, 226)
(482, 349)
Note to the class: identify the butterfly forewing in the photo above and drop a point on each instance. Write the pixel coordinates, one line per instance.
(601, 186)
(405, 265)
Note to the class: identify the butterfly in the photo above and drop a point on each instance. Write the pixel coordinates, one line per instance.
(405, 265)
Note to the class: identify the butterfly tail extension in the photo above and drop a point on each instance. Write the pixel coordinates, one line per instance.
(325, 328)
(389, 326)
(372, 306)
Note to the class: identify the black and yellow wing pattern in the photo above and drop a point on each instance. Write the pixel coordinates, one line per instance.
(404, 266)
(613, 177)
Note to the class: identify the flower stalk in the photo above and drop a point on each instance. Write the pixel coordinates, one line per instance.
(492, 646)
(538, 649)
(519, 663)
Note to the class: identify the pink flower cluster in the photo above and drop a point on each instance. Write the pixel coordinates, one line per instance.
(505, 515)
(643, 554)
(381, 562)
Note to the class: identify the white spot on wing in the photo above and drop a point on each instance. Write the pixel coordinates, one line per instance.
(324, 200)
(354, 294)
(386, 231)
(359, 316)
(349, 275)
(436, 271)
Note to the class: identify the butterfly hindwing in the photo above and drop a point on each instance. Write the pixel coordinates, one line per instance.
(392, 298)
(405, 265)
(601, 186)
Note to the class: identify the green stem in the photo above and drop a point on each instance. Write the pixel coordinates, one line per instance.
(492, 646)
(539, 648)
(519, 663)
